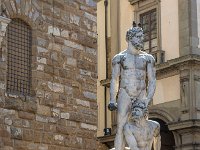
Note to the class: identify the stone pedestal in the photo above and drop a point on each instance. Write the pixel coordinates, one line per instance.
(3, 24)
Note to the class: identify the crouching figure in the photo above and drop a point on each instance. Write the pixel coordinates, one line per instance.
(141, 133)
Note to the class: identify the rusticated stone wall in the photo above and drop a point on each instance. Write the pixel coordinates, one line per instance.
(61, 112)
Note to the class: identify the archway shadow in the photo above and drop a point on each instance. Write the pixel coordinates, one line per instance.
(167, 137)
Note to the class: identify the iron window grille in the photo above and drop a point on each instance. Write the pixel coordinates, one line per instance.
(19, 43)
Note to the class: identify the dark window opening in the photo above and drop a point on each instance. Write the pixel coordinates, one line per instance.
(19, 42)
(149, 25)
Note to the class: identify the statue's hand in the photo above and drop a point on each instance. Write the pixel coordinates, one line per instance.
(112, 106)
(147, 101)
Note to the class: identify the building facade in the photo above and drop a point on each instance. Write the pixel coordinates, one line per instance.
(48, 75)
(172, 36)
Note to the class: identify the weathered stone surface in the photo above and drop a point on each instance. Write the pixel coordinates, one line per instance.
(90, 95)
(16, 133)
(26, 115)
(73, 45)
(59, 113)
(56, 87)
(64, 115)
(83, 103)
(88, 126)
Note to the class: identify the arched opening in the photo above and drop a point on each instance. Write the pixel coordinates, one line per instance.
(167, 137)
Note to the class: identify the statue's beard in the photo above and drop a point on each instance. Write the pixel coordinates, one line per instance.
(138, 45)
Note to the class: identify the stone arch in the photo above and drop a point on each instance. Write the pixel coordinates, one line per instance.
(161, 114)
(164, 118)
(28, 11)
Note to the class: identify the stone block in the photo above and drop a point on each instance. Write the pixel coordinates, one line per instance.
(90, 17)
(64, 115)
(91, 3)
(83, 103)
(73, 45)
(54, 46)
(71, 62)
(16, 133)
(88, 126)
(38, 125)
(8, 121)
(41, 50)
(65, 33)
(55, 112)
(90, 95)
(28, 135)
(41, 119)
(37, 136)
(67, 51)
(91, 51)
(26, 115)
(74, 19)
(30, 106)
(66, 130)
(56, 87)
(40, 67)
(42, 60)
(47, 138)
(15, 104)
(43, 147)
(54, 30)
(41, 42)
(43, 110)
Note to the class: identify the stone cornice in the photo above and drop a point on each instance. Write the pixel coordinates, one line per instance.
(173, 66)
(184, 125)
(107, 140)
(170, 68)
(133, 1)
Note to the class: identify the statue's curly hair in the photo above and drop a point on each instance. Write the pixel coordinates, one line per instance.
(132, 32)
(140, 104)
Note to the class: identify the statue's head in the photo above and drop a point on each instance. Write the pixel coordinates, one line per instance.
(139, 110)
(135, 35)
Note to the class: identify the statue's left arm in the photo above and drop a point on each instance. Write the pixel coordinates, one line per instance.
(151, 74)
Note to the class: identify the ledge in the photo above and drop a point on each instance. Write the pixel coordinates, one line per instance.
(133, 1)
(184, 125)
(169, 68)
(107, 140)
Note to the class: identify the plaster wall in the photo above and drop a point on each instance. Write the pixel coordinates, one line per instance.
(101, 65)
(169, 29)
(167, 89)
(198, 17)
(126, 18)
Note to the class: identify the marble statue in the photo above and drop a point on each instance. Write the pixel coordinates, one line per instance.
(140, 133)
(130, 68)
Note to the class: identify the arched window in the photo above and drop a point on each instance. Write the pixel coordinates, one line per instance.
(19, 57)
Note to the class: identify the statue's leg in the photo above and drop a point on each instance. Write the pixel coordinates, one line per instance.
(122, 115)
(130, 139)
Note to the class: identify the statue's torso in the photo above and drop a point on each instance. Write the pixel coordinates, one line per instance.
(144, 135)
(133, 73)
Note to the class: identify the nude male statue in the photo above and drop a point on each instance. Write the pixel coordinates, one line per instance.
(140, 133)
(132, 66)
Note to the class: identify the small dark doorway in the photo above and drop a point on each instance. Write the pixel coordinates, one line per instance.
(167, 137)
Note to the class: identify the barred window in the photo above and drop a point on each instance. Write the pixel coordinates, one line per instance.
(149, 25)
(19, 42)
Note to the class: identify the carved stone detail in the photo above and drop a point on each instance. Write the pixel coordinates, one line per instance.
(3, 24)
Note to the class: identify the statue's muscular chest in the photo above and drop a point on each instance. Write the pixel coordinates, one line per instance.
(143, 133)
(129, 61)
